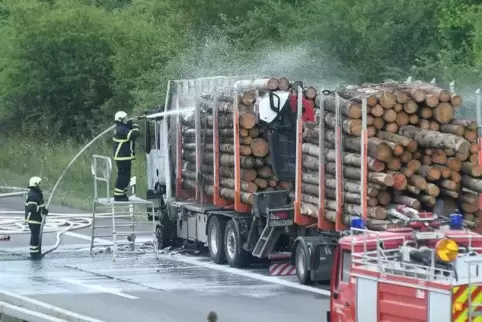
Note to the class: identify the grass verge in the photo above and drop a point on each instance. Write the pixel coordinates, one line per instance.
(22, 159)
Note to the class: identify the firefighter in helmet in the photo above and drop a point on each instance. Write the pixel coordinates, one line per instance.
(125, 134)
(34, 212)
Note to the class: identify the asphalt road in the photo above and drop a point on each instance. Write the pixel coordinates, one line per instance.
(171, 287)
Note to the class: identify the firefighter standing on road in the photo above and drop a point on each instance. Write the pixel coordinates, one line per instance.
(125, 134)
(34, 212)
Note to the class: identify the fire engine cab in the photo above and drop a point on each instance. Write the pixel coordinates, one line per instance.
(430, 271)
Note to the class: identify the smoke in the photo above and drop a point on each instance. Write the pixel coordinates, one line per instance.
(216, 56)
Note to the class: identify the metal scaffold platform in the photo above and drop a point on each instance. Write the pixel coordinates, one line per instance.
(125, 216)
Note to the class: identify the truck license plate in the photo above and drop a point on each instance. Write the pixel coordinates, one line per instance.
(277, 223)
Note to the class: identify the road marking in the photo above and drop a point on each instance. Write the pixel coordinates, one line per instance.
(99, 288)
(235, 271)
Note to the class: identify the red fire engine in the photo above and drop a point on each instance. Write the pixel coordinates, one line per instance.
(429, 271)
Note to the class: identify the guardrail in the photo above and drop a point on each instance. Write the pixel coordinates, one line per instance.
(23, 308)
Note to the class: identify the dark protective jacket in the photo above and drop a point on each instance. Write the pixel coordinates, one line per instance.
(124, 141)
(34, 206)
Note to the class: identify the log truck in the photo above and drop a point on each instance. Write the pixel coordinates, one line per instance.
(273, 227)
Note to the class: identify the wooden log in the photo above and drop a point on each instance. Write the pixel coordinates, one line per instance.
(426, 112)
(377, 110)
(283, 84)
(410, 107)
(371, 131)
(472, 183)
(348, 108)
(394, 164)
(384, 198)
(474, 148)
(265, 172)
(418, 181)
(469, 198)
(408, 201)
(448, 184)
(261, 183)
(430, 173)
(403, 118)
(406, 172)
(432, 190)
(431, 100)
(206, 132)
(353, 159)
(376, 148)
(470, 135)
(456, 177)
(350, 126)
(259, 147)
(259, 162)
(378, 123)
(456, 100)
(406, 156)
(357, 93)
(354, 173)
(432, 139)
(246, 174)
(247, 198)
(246, 186)
(350, 197)
(424, 124)
(452, 129)
(389, 115)
(349, 209)
(434, 126)
(411, 145)
(397, 149)
(391, 127)
(254, 132)
(348, 186)
(399, 180)
(426, 160)
(398, 107)
(454, 164)
(257, 84)
(414, 165)
(443, 113)
(439, 157)
(471, 169)
(445, 172)
(413, 119)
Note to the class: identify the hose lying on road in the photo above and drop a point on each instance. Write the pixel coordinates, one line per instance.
(13, 225)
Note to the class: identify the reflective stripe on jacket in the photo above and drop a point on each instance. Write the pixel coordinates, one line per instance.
(124, 141)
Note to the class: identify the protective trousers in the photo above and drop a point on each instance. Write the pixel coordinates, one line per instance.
(35, 247)
(123, 178)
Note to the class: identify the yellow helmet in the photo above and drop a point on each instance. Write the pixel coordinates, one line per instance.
(34, 182)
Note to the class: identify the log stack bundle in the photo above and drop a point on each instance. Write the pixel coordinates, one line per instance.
(417, 153)
(254, 160)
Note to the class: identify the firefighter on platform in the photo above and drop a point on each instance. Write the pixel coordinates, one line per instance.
(34, 212)
(125, 134)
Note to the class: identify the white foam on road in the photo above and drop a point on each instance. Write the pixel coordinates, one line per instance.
(99, 288)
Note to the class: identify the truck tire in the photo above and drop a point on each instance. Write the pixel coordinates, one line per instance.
(302, 256)
(216, 240)
(236, 256)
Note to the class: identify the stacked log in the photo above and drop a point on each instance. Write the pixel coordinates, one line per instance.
(417, 152)
(256, 171)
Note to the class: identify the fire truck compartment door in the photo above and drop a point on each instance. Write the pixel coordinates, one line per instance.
(366, 299)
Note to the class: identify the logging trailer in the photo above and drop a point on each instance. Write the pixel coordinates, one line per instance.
(273, 227)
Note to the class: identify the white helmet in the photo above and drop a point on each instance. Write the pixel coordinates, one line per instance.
(120, 116)
(34, 182)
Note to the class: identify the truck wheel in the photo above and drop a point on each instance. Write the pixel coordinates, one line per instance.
(235, 255)
(215, 240)
(301, 264)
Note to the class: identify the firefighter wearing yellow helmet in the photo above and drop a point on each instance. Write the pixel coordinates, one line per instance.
(34, 212)
(125, 135)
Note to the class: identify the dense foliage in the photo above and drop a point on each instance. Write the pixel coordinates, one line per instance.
(66, 65)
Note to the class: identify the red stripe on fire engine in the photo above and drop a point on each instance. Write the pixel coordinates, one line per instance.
(459, 292)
